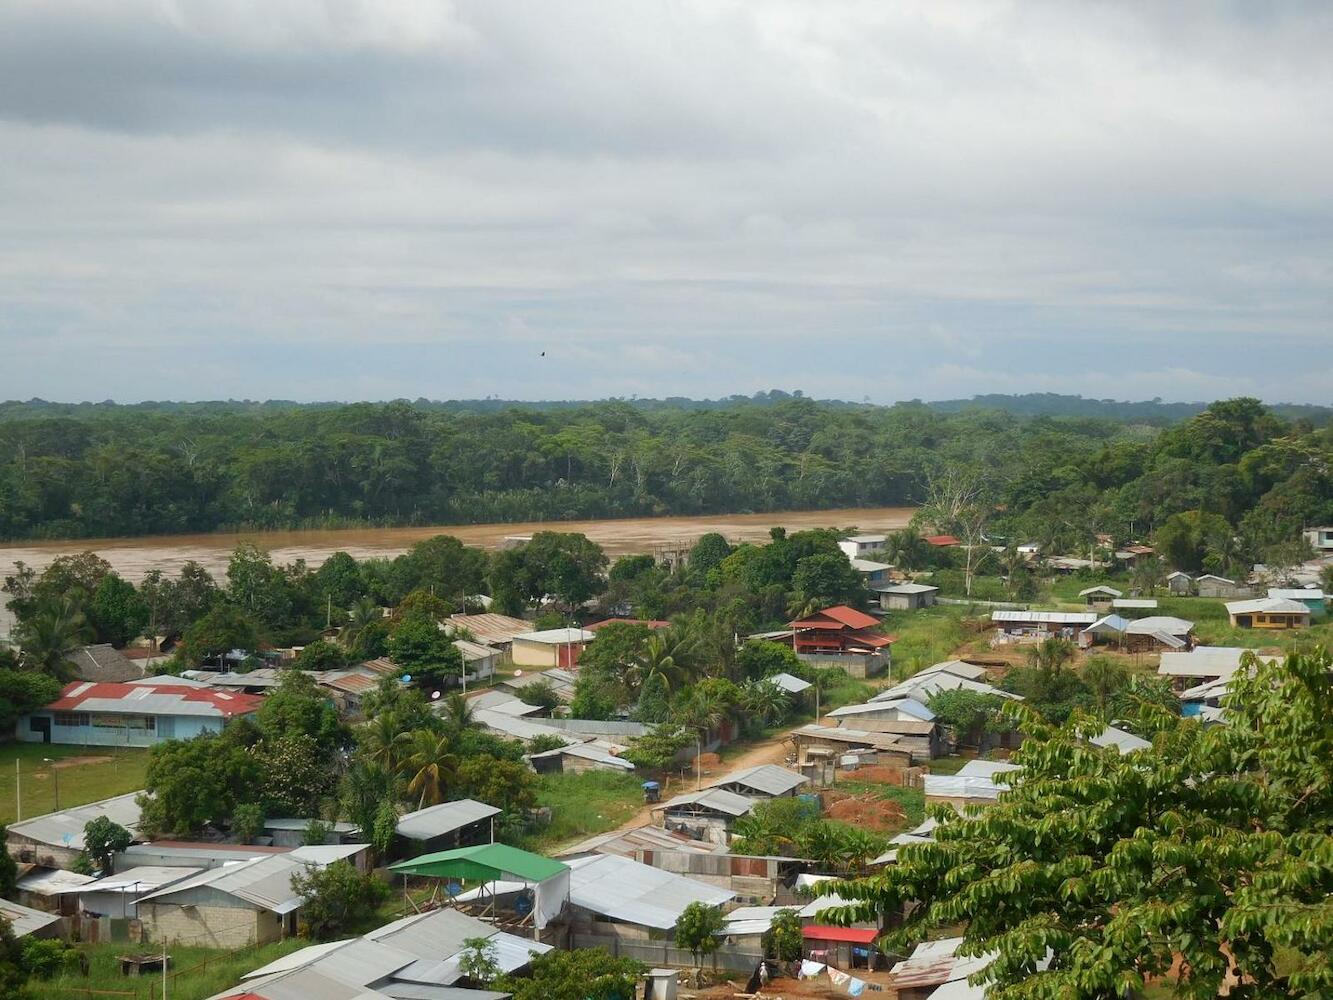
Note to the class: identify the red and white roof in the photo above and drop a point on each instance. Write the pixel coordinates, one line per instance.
(131, 699)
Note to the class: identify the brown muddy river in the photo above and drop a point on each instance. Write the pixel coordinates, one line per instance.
(133, 557)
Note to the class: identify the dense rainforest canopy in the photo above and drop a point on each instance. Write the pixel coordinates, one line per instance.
(99, 470)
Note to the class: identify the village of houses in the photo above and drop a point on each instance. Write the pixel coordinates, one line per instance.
(624, 889)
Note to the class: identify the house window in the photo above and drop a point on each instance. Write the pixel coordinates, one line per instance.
(73, 720)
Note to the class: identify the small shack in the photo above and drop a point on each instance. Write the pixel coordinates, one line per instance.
(461, 823)
(906, 596)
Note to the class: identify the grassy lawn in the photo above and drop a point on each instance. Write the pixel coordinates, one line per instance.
(926, 637)
(102, 773)
(584, 805)
(948, 765)
(190, 978)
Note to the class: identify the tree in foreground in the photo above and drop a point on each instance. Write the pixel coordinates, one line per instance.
(783, 940)
(337, 899)
(103, 839)
(1203, 861)
(697, 929)
(581, 974)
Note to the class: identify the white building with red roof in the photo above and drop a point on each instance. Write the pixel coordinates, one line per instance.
(108, 714)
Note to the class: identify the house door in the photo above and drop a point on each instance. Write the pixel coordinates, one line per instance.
(41, 724)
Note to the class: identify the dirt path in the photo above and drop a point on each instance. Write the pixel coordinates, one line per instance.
(770, 751)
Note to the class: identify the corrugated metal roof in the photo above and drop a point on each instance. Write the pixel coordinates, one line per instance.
(905, 588)
(959, 668)
(880, 741)
(1268, 606)
(474, 652)
(789, 683)
(504, 703)
(1160, 623)
(627, 891)
(357, 962)
(1121, 740)
(136, 699)
(52, 882)
(1134, 603)
(1296, 593)
(908, 706)
(714, 799)
(301, 984)
(265, 883)
(24, 919)
(327, 854)
(1101, 588)
(557, 636)
(519, 729)
(590, 752)
(435, 821)
(838, 616)
(65, 828)
(1044, 617)
(767, 779)
(144, 878)
(435, 935)
(922, 689)
(491, 629)
(396, 990)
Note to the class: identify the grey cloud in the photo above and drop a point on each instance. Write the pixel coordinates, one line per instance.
(334, 198)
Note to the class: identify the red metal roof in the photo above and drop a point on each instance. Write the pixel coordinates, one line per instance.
(838, 616)
(941, 540)
(852, 935)
(156, 700)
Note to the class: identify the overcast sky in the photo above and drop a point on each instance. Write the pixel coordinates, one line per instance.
(347, 199)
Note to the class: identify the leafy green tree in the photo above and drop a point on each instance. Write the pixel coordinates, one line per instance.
(765, 702)
(258, 587)
(783, 940)
(430, 766)
(708, 553)
(479, 961)
(21, 691)
(117, 613)
(578, 974)
(972, 715)
(1204, 864)
(824, 580)
(592, 699)
(316, 833)
(190, 783)
(321, 655)
(657, 749)
(697, 929)
(1104, 677)
(567, 566)
(758, 659)
(222, 629)
(103, 839)
(506, 784)
(247, 822)
(338, 582)
(654, 704)
(541, 693)
(337, 899)
(1185, 539)
(543, 742)
(297, 707)
(297, 774)
(9, 870)
(444, 565)
(416, 644)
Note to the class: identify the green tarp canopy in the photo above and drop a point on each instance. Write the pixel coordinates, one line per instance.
(485, 862)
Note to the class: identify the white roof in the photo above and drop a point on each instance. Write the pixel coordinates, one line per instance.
(869, 566)
(1121, 740)
(1160, 623)
(265, 883)
(1296, 593)
(65, 829)
(908, 706)
(1044, 617)
(746, 920)
(1215, 687)
(974, 780)
(556, 636)
(1172, 576)
(517, 728)
(985, 768)
(714, 799)
(867, 539)
(768, 779)
(144, 879)
(504, 703)
(789, 683)
(906, 588)
(24, 919)
(1202, 661)
(587, 751)
(1099, 589)
(1134, 603)
(817, 905)
(1267, 605)
(326, 854)
(1108, 623)
(633, 893)
(922, 689)
(959, 668)
(53, 882)
(435, 821)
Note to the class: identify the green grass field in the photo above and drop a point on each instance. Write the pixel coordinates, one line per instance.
(100, 773)
(195, 973)
(926, 637)
(584, 805)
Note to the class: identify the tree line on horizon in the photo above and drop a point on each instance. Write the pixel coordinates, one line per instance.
(1053, 479)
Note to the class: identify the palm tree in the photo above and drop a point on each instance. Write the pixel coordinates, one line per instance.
(1051, 654)
(52, 635)
(669, 654)
(1149, 574)
(906, 549)
(765, 700)
(429, 767)
(383, 741)
(458, 714)
(365, 612)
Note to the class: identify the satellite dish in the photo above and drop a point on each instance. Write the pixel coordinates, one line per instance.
(518, 673)
(434, 696)
(406, 679)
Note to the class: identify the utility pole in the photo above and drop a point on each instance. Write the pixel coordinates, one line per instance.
(55, 776)
(18, 791)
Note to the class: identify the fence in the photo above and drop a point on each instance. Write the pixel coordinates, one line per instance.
(661, 954)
